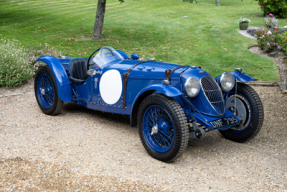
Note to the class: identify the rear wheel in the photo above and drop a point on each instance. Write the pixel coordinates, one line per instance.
(162, 128)
(46, 92)
(247, 106)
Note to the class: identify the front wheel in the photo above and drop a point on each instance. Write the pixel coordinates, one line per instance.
(162, 127)
(246, 104)
(46, 92)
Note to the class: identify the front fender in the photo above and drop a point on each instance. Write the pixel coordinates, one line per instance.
(166, 90)
(242, 77)
(63, 84)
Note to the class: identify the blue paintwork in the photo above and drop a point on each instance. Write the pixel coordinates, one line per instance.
(167, 90)
(163, 140)
(45, 83)
(134, 56)
(61, 77)
(205, 119)
(200, 98)
(242, 77)
(144, 79)
(157, 88)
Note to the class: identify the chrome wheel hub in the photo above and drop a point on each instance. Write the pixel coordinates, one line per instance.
(154, 129)
(42, 91)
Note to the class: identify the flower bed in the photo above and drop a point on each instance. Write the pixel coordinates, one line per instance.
(272, 38)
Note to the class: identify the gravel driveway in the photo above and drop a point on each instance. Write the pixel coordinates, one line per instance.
(85, 150)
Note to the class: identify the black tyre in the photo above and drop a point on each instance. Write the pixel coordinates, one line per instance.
(246, 104)
(46, 91)
(162, 128)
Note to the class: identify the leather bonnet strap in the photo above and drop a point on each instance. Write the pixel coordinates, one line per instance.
(125, 76)
(168, 72)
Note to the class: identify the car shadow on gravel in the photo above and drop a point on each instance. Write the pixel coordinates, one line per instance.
(212, 142)
(73, 108)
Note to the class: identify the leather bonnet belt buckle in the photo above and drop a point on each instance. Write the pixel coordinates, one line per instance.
(168, 72)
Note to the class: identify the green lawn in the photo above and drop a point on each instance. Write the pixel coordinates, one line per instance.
(151, 28)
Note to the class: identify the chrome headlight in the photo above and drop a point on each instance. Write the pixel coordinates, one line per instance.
(227, 81)
(192, 86)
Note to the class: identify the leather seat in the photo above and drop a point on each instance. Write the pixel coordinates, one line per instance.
(78, 71)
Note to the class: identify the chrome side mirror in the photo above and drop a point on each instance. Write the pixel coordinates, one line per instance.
(91, 72)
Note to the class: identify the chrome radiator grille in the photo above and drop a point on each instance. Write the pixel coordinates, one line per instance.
(213, 94)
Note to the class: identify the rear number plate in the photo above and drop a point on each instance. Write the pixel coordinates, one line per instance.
(224, 122)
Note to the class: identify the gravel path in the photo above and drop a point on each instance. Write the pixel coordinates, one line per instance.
(85, 150)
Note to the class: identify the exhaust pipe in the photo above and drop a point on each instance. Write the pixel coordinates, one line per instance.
(198, 132)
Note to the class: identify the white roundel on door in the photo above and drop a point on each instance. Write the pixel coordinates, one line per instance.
(111, 86)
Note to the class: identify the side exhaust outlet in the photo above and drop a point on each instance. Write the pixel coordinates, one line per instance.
(198, 132)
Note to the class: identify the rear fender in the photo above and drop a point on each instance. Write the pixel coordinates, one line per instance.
(159, 88)
(63, 84)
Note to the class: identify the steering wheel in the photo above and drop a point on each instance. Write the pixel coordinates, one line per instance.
(106, 54)
(88, 65)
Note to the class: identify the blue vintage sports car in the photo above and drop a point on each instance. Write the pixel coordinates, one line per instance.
(169, 103)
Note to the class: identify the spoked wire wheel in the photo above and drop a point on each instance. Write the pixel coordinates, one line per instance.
(158, 128)
(162, 127)
(46, 92)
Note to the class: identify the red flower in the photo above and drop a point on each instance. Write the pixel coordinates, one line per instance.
(275, 31)
(151, 52)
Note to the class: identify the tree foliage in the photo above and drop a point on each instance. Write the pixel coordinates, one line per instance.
(276, 7)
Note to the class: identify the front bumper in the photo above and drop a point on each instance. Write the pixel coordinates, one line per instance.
(208, 121)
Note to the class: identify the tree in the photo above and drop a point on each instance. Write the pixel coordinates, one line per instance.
(99, 20)
(100, 15)
(217, 3)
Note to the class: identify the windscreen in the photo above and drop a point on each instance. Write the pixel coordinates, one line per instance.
(107, 55)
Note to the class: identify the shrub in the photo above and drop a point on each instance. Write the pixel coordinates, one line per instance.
(271, 21)
(14, 64)
(282, 41)
(36, 52)
(270, 39)
(244, 20)
(266, 40)
(277, 7)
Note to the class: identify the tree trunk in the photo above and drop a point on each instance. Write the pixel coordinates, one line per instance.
(99, 20)
(217, 3)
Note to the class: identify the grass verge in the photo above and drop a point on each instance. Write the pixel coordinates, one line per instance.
(168, 30)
